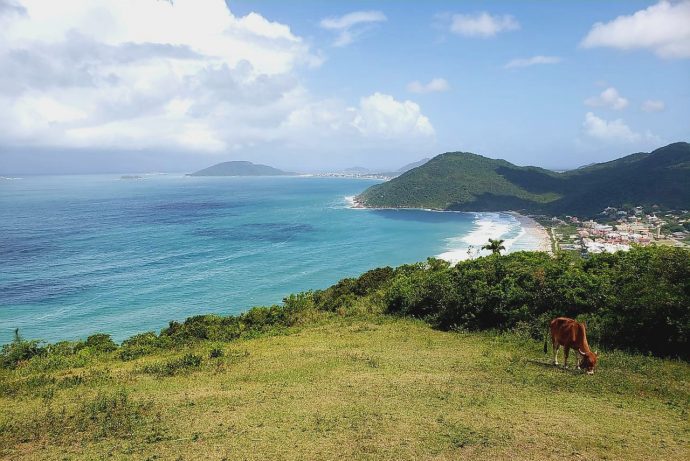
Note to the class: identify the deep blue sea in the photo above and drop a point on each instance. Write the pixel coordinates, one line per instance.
(85, 254)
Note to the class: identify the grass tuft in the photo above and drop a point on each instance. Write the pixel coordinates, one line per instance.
(173, 367)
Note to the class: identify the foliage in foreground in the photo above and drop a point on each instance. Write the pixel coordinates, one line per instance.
(637, 301)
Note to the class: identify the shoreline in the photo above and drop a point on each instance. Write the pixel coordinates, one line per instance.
(534, 231)
(533, 235)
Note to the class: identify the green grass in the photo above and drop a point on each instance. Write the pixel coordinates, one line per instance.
(360, 387)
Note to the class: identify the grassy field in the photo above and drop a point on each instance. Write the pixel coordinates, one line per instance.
(370, 387)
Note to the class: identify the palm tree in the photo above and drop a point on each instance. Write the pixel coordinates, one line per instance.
(496, 246)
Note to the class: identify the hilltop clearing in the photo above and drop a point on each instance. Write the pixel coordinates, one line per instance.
(352, 387)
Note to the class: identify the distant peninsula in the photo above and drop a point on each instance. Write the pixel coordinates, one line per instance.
(240, 168)
(469, 182)
(412, 165)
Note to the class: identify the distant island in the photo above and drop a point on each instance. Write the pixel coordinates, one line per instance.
(240, 168)
(469, 182)
(357, 170)
(246, 168)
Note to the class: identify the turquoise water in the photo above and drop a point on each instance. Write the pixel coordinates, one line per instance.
(81, 254)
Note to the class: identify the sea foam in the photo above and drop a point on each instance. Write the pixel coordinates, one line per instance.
(486, 226)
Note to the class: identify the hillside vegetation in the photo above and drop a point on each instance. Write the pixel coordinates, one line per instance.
(470, 182)
(423, 361)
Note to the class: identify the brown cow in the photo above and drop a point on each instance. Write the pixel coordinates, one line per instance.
(570, 333)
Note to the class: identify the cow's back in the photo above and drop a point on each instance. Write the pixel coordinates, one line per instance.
(565, 331)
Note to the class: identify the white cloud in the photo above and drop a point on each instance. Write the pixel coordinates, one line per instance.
(608, 98)
(183, 75)
(348, 27)
(482, 25)
(653, 105)
(378, 116)
(382, 115)
(526, 62)
(615, 131)
(435, 85)
(81, 73)
(663, 28)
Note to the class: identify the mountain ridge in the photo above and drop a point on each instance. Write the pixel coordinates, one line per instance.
(465, 181)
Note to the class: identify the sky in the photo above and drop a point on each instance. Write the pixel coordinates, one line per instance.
(177, 85)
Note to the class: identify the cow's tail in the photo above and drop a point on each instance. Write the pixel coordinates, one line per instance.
(546, 347)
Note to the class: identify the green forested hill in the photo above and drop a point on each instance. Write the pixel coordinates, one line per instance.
(470, 182)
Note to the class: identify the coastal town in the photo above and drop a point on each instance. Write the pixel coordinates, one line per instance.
(618, 229)
(354, 175)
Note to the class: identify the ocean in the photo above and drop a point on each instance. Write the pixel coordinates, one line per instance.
(85, 254)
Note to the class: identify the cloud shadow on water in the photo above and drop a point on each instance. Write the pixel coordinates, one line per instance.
(259, 232)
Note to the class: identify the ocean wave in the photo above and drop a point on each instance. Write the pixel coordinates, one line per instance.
(486, 226)
(348, 201)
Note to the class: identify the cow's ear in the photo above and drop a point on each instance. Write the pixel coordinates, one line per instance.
(596, 353)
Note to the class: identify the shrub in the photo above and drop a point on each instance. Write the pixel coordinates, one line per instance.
(143, 344)
(346, 292)
(20, 350)
(264, 318)
(372, 280)
(203, 327)
(64, 348)
(216, 353)
(99, 342)
(298, 307)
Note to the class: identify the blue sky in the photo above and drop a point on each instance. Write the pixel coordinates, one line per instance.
(316, 85)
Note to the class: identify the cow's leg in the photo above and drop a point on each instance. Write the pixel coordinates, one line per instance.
(555, 352)
(566, 349)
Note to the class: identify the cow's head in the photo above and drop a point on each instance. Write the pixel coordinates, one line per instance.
(588, 361)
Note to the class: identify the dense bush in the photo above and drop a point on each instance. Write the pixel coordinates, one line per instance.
(639, 300)
(648, 306)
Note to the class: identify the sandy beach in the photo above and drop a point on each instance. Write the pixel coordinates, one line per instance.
(532, 236)
(536, 237)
